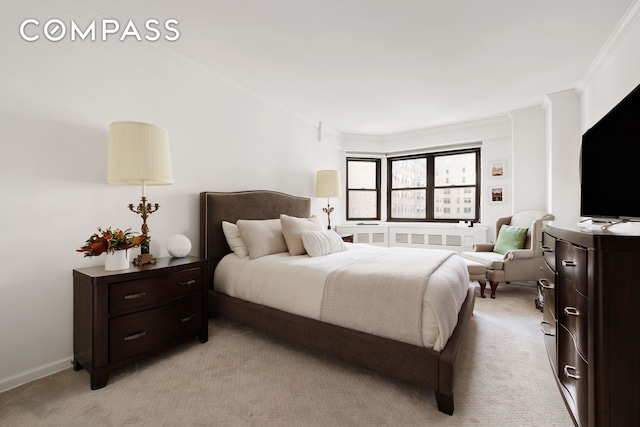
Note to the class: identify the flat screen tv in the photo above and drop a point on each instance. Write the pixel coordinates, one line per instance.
(610, 164)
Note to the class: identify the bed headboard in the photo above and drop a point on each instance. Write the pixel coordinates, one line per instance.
(216, 207)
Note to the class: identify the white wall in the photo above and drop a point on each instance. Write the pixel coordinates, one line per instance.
(563, 155)
(528, 162)
(56, 102)
(496, 149)
(615, 73)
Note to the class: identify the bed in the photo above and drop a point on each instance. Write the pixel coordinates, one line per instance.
(420, 358)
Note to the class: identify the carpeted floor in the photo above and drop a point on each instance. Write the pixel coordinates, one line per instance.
(243, 378)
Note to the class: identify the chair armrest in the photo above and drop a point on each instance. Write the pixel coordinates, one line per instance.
(519, 254)
(483, 247)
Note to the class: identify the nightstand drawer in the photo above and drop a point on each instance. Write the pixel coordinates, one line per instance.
(137, 333)
(134, 294)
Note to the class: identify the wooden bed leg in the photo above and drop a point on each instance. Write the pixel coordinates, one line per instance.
(445, 403)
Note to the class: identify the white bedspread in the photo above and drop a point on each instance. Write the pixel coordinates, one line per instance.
(296, 284)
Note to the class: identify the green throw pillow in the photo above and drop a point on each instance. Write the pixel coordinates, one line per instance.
(510, 237)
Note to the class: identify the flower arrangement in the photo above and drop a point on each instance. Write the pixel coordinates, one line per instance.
(110, 240)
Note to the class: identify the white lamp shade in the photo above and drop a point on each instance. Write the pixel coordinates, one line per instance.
(138, 154)
(327, 183)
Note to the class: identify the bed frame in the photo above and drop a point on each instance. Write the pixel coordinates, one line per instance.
(414, 364)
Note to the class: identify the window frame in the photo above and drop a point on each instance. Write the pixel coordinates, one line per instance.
(430, 186)
(377, 190)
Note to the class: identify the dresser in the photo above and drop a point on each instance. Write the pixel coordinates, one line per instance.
(590, 288)
(120, 317)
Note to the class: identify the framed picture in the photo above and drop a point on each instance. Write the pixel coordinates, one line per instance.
(498, 168)
(497, 194)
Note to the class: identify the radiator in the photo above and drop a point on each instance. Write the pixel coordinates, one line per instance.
(432, 236)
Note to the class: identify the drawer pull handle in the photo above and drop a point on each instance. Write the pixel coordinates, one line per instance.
(571, 311)
(569, 375)
(135, 336)
(547, 329)
(546, 249)
(545, 284)
(134, 296)
(187, 283)
(186, 319)
(568, 263)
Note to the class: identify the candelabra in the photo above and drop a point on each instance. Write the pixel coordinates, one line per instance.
(144, 209)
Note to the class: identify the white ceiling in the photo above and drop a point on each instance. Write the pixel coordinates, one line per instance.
(380, 67)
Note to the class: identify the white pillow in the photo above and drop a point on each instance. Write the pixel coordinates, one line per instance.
(262, 237)
(291, 228)
(232, 234)
(319, 243)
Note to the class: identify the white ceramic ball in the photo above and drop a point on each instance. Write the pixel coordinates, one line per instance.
(178, 246)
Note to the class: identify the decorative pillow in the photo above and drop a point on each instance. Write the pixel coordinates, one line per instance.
(291, 228)
(510, 237)
(232, 234)
(319, 243)
(262, 237)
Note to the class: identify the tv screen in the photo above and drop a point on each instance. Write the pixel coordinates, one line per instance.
(610, 163)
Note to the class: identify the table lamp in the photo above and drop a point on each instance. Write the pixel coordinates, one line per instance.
(139, 155)
(328, 185)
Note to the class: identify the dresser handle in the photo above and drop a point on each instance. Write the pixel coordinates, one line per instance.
(186, 319)
(187, 283)
(546, 249)
(571, 311)
(566, 372)
(548, 329)
(568, 263)
(135, 336)
(134, 296)
(545, 284)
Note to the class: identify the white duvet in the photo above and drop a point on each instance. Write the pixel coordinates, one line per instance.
(296, 284)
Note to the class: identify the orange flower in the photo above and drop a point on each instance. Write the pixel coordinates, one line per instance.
(110, 241)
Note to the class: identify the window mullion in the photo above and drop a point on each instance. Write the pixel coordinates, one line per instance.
(430, 202)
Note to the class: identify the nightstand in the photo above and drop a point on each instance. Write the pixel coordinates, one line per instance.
(347, 237)
(120, 317)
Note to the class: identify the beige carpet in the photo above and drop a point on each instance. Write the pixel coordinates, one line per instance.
(243, 378)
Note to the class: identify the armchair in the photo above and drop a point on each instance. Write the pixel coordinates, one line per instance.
(514, 264)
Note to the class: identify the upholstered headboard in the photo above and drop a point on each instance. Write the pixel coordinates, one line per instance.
(216, 207)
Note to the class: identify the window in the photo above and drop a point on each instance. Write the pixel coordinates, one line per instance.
(434, 186)
(363, 189)
(408, 188)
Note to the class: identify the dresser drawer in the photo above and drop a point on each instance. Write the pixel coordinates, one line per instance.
(547, 293)
(573, 314)
(136, 333)
(572, 264)
(549, 250)
(134, 294)
(573, 373)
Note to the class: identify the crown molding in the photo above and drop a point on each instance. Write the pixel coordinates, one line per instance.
(617, 36)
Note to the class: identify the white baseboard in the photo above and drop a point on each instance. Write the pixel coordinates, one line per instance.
(34, 374)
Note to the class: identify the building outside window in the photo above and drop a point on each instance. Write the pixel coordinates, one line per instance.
(434, 186)
(363, 188)
(443, 186)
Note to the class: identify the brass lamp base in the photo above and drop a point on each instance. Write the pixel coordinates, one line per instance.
(328, 211)
(143, 259)
(144, 209)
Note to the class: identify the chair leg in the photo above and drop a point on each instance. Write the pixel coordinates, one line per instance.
(483, 284)
(494, 286)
